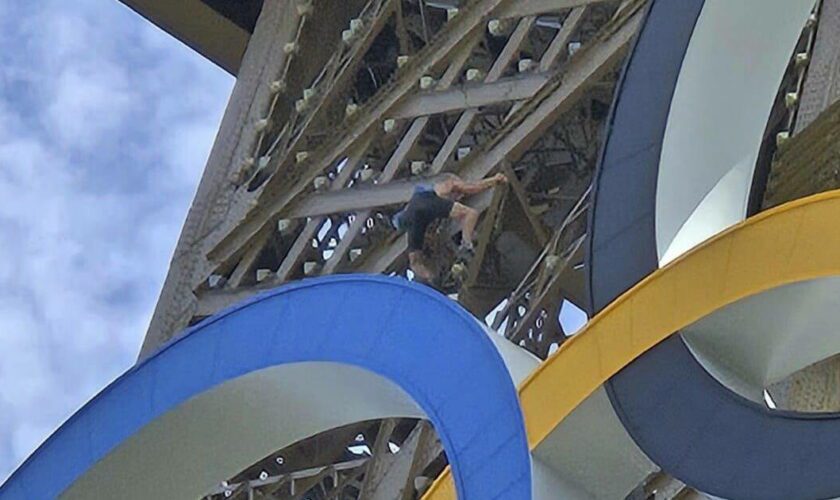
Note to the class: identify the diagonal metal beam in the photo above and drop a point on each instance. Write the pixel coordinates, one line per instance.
(560, 95)
(248, 260)
(379, 462)
(504, 59)
(484, 236)
(345, 69)
(549, 292)
(588, 66)
(561, 40)
(313, 481)
(510, 50)
(278, 24)
(557, 48)
(290, 181)
(519, 192)
(585, 69)
(395, 479)
(407, 143)
(303, 240)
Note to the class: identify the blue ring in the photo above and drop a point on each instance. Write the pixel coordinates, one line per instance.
(423, 342)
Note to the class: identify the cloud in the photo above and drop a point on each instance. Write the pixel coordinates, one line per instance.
(105, 125)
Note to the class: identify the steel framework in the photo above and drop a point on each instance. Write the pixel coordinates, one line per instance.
(337, 113)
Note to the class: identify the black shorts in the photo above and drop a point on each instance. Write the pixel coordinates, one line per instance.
(423, 209)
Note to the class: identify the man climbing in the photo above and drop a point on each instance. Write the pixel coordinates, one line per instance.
(438, 200)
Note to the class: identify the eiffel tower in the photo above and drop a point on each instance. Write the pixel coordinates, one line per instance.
(341, 108)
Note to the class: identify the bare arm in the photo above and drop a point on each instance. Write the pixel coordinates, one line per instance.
(457, 186)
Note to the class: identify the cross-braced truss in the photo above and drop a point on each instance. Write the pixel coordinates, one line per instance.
(337, 114)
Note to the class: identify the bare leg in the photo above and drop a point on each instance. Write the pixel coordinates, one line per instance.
(415, 261)
(467, 218)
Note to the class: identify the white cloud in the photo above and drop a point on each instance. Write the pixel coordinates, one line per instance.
(88, 103)
(105, 126)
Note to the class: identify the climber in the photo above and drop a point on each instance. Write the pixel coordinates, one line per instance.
(438, 199)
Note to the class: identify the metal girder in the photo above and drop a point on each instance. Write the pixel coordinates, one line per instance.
(394, 479)
(471, 96)
(510, 50)
(406, 144)
(277, 25)
(200, 27)
(661, 486)
(564, 91)
(580, 72)
(534, 7)
(519, 191)
(311, 482)
(549, 292)
(402, 32)
(504, 59)
(354, 200)
(286, 478)
(586, 68)
(283, 187)
(484, 235)
(561, 40)
(248, 260)
(821, 87)
(530, 312)
(557, 48)
(213, 301)
(302, 242)
(380, 453)
(399, 192)
(344, 71)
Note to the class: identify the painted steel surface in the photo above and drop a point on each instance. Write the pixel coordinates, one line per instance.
(243, 13)
(672, 173)
(795, 242)
(622, 227)
(683, 419)
(425, 343)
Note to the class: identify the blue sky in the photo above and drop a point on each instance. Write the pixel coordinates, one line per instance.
(105, 126)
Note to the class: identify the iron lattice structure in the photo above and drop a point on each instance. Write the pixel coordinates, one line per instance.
(340, 108)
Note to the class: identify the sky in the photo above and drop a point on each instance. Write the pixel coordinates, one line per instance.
(106, 123)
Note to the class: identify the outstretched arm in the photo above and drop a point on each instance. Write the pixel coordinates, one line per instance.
(454, 185)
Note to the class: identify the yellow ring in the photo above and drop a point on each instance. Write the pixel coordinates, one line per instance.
(794, 242)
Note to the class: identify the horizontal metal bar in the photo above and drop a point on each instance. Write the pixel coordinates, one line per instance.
(471, 96)
(301, 474)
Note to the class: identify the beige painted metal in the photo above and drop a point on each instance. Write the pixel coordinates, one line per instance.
(406, 144)
(277, 193)
(471, 96)
(304, 239)
(565, 90)
(211, 206)
(534, 7)
(822, 85)
(586, 68)
(199, 27)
